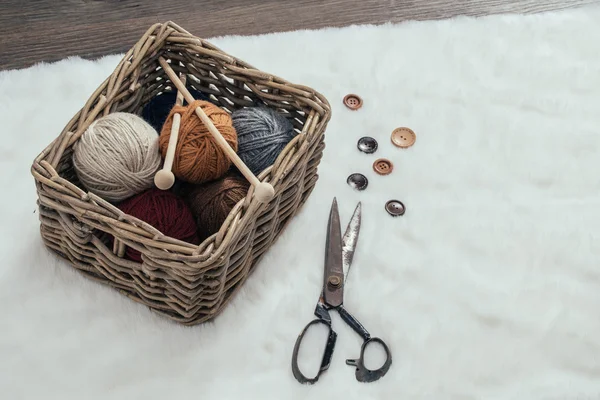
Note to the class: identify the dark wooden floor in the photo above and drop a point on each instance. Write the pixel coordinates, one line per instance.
(48, 30)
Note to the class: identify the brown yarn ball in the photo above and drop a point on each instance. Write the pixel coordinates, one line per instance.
(198, 157)
(212, 202)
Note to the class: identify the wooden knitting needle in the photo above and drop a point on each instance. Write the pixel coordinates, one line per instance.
(165, 178)
(263, 191)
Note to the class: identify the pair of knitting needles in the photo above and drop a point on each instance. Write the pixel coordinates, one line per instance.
(164, 178)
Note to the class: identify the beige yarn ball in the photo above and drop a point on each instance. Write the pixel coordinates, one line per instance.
(117, 156)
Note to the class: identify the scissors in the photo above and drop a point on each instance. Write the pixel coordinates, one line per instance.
(338, 258)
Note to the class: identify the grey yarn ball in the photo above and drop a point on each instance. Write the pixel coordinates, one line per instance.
(117, 156)
(262, 135)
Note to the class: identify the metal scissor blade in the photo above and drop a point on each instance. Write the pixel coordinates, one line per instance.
(333, 284)
(350, 239)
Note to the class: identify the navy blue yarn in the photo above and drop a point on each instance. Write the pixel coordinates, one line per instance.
(158, 109)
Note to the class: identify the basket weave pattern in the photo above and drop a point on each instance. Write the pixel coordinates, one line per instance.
(188, 283)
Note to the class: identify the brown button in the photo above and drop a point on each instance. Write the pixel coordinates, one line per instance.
(352, 101)
(403, 137)
(383, 166)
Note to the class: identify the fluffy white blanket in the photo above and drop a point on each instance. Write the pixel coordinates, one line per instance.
(488, 287)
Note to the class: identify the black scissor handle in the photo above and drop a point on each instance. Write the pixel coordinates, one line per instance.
(332, 337)
(363, 374)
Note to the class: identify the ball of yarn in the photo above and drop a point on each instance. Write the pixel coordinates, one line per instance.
(157, 110)
(262, 135)
(163, 210)
(117, 156)
(212, 202)
(198, 157)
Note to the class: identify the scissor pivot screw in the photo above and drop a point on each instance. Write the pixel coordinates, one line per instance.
(334, 281)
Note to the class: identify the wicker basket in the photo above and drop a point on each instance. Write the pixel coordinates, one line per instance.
(190, 284)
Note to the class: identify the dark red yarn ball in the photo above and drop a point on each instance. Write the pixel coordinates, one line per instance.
(163, 210)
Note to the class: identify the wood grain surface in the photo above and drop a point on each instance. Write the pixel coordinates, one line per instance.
(48, 30)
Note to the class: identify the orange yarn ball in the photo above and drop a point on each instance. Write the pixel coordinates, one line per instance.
(198, 157)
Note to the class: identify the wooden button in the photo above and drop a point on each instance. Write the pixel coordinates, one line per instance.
(395, 208)
(383, 166)
(403, 137)
(352, 101)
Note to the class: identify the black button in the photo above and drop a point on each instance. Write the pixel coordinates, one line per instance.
(367, 144)
(358, 181)
(395, 208)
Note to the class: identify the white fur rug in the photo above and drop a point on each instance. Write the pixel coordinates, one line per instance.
(488, 287)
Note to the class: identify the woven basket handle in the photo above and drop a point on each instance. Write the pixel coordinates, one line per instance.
(263, 191)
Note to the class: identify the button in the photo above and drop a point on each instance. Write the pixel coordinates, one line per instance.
(358, 181)
(383, 166)
(367, 144)
(403, 137)
(352, 101)
(395, 208)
